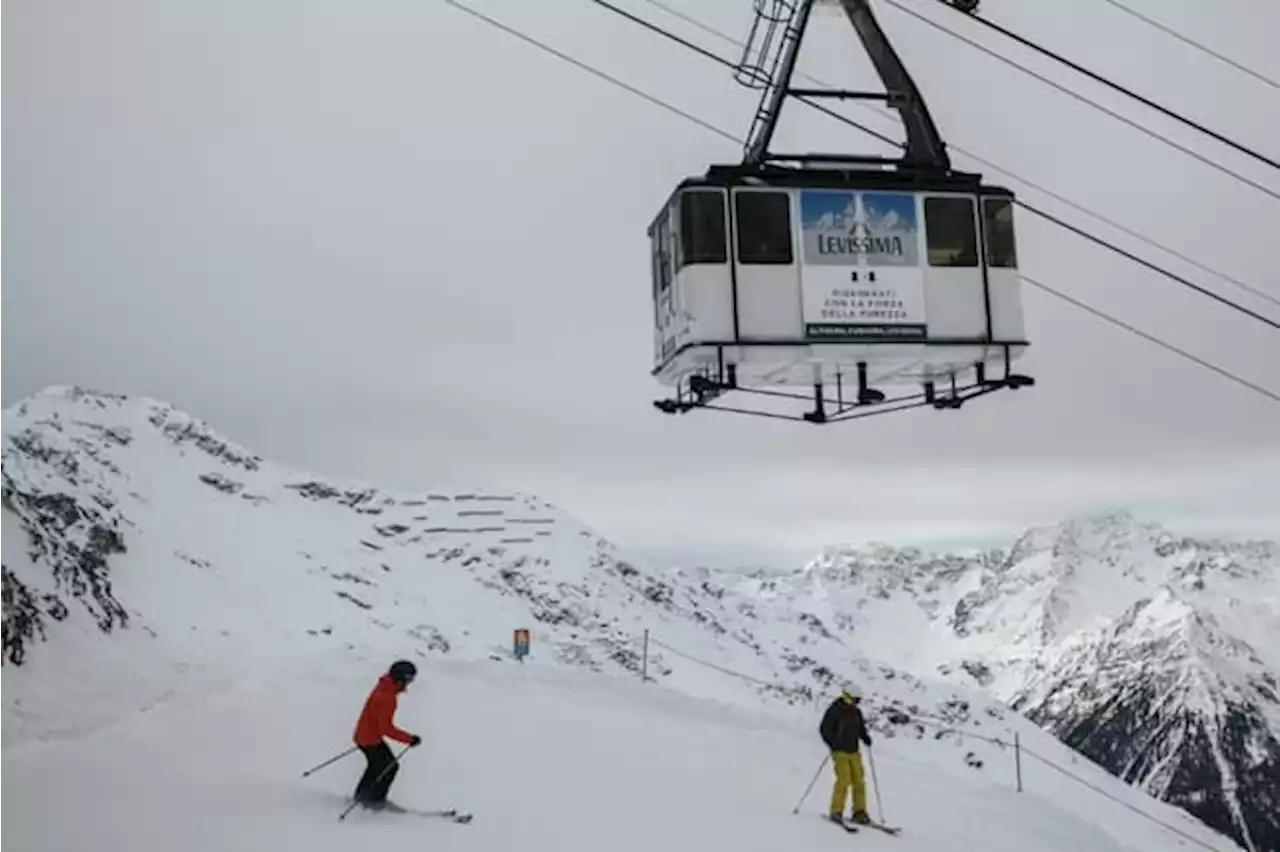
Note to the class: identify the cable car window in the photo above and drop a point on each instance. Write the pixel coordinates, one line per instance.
(662, 254)
(656, 262)
(764, 227)
(950, 231)
(654, 254)
(702, 230)
(1002, 249)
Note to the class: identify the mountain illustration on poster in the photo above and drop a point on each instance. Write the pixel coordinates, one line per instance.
(843, 227)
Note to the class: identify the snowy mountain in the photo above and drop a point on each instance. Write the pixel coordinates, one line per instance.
(126, 516)
(157, 574)
(1153, 654)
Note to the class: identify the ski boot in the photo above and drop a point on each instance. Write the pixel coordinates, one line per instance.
(861, 818)
(369, 804)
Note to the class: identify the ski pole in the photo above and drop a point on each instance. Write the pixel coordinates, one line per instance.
(395, 760)
(875, 785)
(821, 766)
(333, 759)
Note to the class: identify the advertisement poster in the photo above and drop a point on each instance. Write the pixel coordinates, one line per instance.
(860, 265)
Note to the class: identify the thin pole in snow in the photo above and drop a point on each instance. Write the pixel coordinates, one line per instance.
(333, 759)
(1017, 759)
(644, 658)
(813, 781)
(875, 783)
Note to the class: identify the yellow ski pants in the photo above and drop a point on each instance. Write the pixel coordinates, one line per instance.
(848, 767)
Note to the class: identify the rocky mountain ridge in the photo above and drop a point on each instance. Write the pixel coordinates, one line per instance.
(1152, 653)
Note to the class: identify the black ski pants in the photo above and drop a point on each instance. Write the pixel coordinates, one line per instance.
(374, 784)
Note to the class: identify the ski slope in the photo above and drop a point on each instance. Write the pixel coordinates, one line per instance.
(546, 758)
(188, 627)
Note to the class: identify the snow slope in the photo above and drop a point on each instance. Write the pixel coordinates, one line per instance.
(1155, 655)
(181, 613)
(545, 758)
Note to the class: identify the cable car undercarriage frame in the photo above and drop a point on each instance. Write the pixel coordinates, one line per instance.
(768, 63)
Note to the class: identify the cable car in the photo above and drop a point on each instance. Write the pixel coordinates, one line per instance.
(839, 274)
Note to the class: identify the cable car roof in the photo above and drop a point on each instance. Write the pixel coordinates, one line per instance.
(834, 178)
(724, 177)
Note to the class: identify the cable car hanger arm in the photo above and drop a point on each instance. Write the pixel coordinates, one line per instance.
(924, 143)
(924, 147)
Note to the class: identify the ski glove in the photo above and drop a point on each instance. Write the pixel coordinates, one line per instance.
(415, 740)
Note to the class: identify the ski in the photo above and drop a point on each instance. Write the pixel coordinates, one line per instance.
(450, 814)
(887, 829)
(446, 813)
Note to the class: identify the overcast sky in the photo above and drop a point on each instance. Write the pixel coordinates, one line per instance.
(386, 241)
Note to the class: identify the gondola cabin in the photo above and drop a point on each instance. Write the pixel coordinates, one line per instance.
(793, 279)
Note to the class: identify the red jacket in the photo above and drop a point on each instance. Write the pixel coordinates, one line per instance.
(375, 719)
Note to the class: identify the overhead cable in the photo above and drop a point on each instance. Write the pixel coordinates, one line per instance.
(1208, 161)
(724, 133)
(1151, 338)
(1111, 84)
(591, 70)
(1168, 30)
(1148, 264)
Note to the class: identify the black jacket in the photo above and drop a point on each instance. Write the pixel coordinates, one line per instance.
(843, 727)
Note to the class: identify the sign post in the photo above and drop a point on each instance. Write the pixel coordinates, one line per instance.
(520, 643)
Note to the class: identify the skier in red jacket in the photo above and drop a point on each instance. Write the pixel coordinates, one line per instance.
(376, 722)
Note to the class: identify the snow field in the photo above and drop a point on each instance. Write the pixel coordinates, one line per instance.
(546, 759)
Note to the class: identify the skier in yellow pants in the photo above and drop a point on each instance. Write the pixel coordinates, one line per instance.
(843, 729)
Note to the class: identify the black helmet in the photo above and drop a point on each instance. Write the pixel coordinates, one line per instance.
(403, 671)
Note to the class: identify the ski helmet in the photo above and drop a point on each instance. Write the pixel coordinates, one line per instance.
(403, 671)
